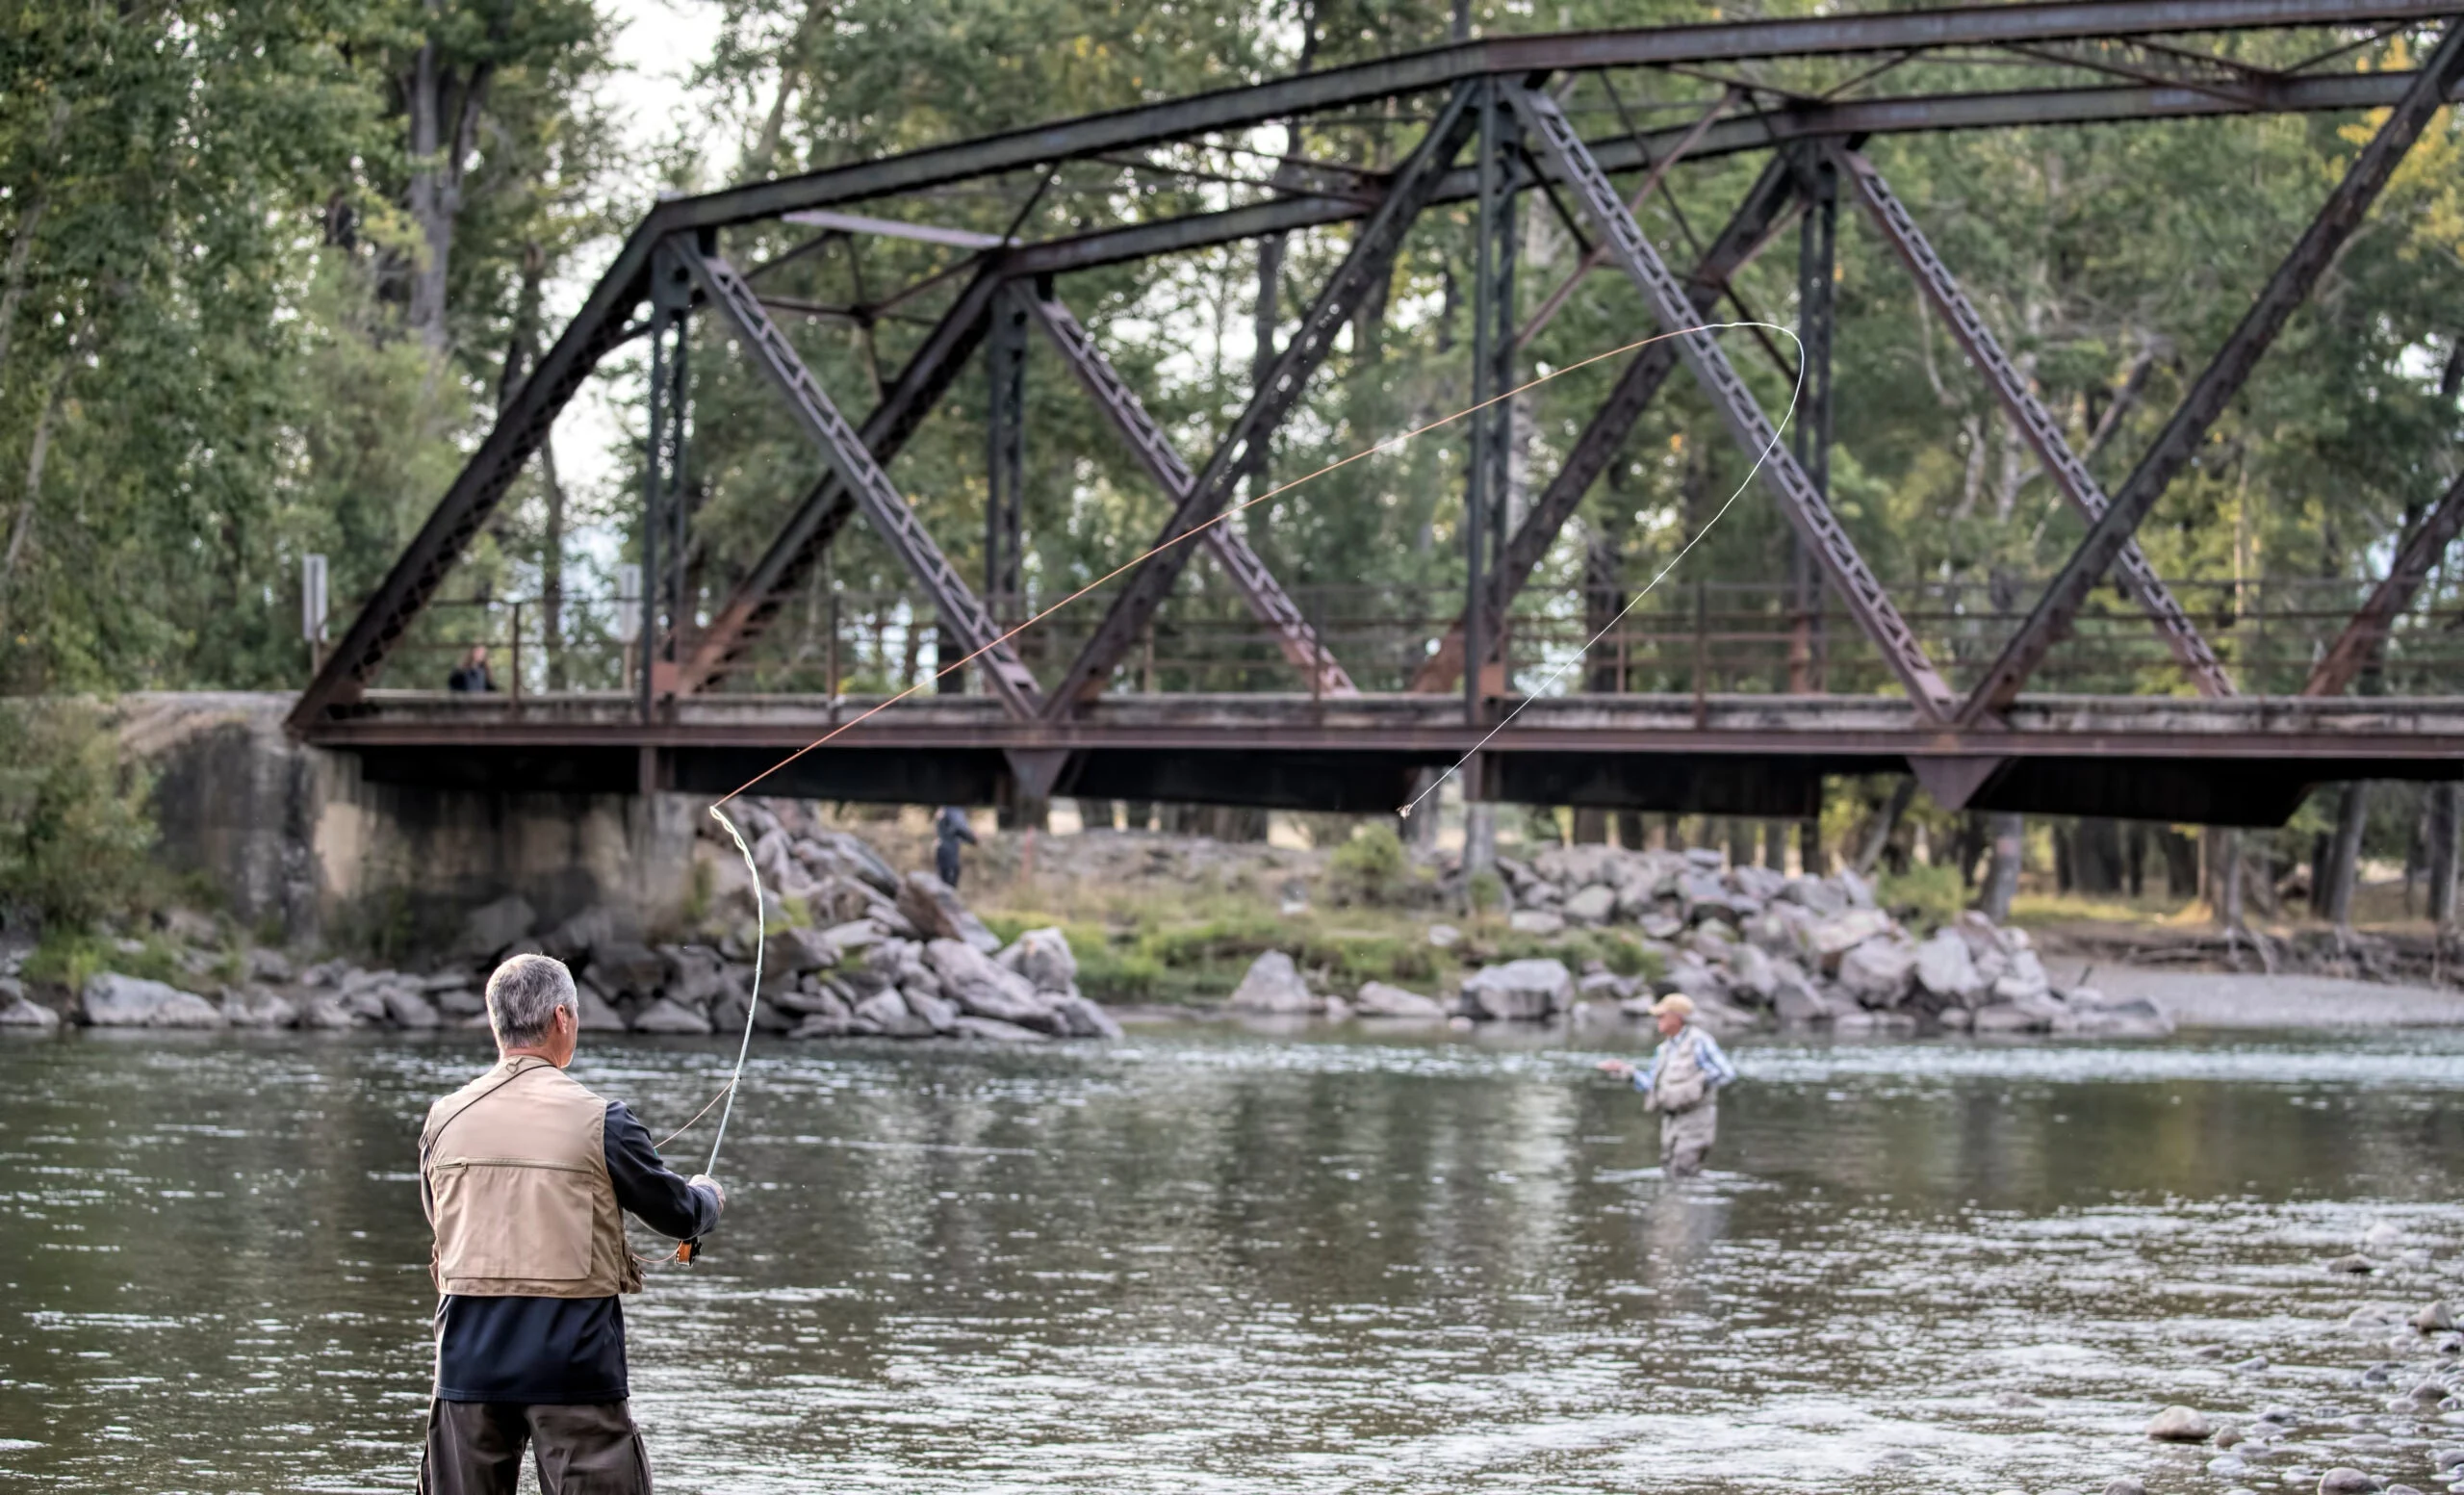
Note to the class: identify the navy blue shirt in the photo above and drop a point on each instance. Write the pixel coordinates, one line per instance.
(565, 1351)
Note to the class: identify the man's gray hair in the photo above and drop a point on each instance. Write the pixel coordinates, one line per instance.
(524, 995)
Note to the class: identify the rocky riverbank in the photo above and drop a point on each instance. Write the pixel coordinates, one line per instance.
(855, 950)
(1752, 946)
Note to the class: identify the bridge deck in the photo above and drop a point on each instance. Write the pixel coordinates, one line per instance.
(2245, 761)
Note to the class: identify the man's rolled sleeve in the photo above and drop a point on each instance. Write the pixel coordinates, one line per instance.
(647, 1188)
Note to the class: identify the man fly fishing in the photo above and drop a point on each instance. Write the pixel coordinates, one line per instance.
(1684, 1083)
(527, 1179)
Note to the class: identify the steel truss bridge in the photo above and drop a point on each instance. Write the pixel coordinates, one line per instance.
(2240, 745)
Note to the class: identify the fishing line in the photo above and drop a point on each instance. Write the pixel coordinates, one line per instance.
(1557, 674)
(726, 1092)
(1194, 530)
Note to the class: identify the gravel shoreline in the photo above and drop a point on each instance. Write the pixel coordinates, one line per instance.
(2223, 999)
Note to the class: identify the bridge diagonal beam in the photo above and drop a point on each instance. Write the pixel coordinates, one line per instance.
(1804, 505)
(2222, 379)
(1766, 209)
(2365, 635)
(828, 506)
(1257, 585)
(883, 507)
(1367, 262)
(2018, 400)
(521, 426)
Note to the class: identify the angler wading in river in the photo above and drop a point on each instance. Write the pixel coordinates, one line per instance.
(1684, 1083)
(526, 1177)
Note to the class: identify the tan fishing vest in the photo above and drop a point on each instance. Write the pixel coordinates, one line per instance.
(1683, 1084)
(516, 1169)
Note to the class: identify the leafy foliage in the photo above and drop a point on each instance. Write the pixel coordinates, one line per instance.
(74, 827)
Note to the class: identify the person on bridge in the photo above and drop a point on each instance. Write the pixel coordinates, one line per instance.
(471, 674)
(526, 1177)
(949, 829)
(1684, 1083)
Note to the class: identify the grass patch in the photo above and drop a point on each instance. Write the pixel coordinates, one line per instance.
(66, 959)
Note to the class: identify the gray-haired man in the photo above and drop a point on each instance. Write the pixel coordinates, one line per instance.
(526, 1177)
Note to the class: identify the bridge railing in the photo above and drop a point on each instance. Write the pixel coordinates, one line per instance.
(1684, 637)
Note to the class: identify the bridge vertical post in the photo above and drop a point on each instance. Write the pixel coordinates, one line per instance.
(1492, 434)
(1817, 311)
(671, 293)
(1005, 361)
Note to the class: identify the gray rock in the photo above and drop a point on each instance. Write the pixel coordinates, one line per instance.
(939, 1015)
(887, 1013)
(326, 1012)
(1518, 990)
(1858, 892)
(405, 1008)
(1798, 1003)
(1446, 937)
(586, 931)
(1535, 921)
(262, 964)
(994, 1030)
(21, 1013)
(1043, 957)
(597, 1014)
(791, 952)
(2181, 1425)
(460, 1002)
(1946, 969)
(1592, 906)
(824, 1025)
(2007, 1018)
(981, 987)
(1377, 1000)
(1076, 1017)
(2355, 1265)
(934, 908)
(2026, 980)
(1661, 926)
(1835, 936)
(255, 1007)
(115, 1001)
(2252, 1365)
(1878, 972)
(627, 967)
(2346, 1481)
(670, 1016)
(493, 926)
(2125, 1485)
(1273, 985)
(1604, 983)
(1816, 894)
(1753, 975)
(2434, 1319)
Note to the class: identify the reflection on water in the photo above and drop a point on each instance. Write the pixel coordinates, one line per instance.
(1218, 1261)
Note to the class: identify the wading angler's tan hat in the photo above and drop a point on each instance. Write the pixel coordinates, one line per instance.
(1677, 1002)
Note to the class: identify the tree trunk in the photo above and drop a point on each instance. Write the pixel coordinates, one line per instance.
(1740, 843)
(2181, 864)
(2008, 837)
(2229, 876)
(1480, 835)
(1591, 826)
(2135, 857)
(2442, 823)
(1775, 844)
(2097, 856)
(1629, 829)
(1809, 857)
(444, 126)
(1879, 835)
(2343, 862)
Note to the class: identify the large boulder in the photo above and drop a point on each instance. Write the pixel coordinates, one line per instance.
(586, 931)
(1798, 1003)
(2095, 1014)
(597, 1015)
(1043, 956)
(696, 976)
(1753, 975)
(1526, 991)
(16, 1012)
(407, 1007)
(1377, 1000)
(1878, 972)
(1842, 932)
(1820, 894)
(111, 1000)
(887, 1013)
(670, 1016)
(861, 858)
(1593, 905)
(934, 908)
(491, 927)
(627, 967)
(982, 987)
(1946, 967)
(1075, 1017)
(793, 951)
(942, 1016)
(2026, 981)
(1536, 922)
(1273, 985)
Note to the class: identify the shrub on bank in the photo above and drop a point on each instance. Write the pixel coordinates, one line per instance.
(75, 832)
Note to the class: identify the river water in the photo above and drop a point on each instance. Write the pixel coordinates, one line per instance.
(1208, 1259)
